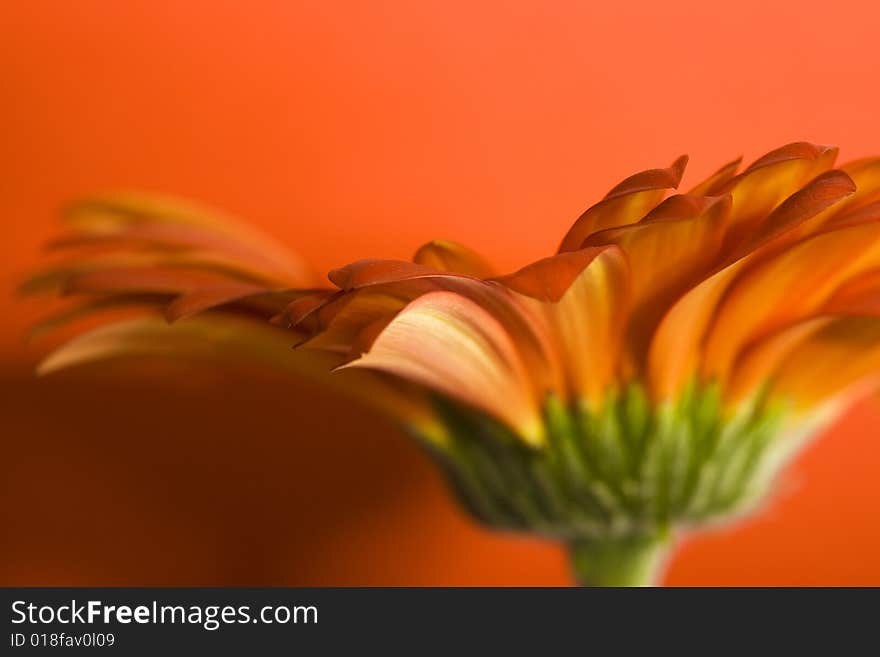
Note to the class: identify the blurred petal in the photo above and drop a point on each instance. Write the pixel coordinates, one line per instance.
(124, 212)
(756, 365)
(628, 202)
(118, 208)
(215, 337)
(54, 278)
(154, 337)
(841, 358)
(858, 296)
(140, 279)
(176, 237)
(205, 298)
(93, 307)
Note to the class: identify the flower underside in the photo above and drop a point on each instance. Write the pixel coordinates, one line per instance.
(626, 469)
(653, 374)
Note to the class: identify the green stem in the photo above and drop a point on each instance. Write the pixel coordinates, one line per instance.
(628, 561)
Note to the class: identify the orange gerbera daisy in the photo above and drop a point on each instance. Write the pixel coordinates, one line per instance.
(651, 376)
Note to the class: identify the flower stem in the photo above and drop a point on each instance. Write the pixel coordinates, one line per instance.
(627, 561)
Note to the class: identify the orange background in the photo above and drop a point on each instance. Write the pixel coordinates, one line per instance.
(367, 128)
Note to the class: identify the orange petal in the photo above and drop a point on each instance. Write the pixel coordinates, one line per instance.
(306, 306)
(408, 281)
(676, 346)
(756, 365)
(550, 278)
(452, 345)
(364, 273)
(714, 183)
(94, 307)
(121, 212)
(802, 212)
(242, 340)
(449, 256)
(583, 297)
(342, 321)
(860, 215)
(193, 338)
(54, 278)
(768, 181)
(799, 150)
(757, 362)
(123, 280)
(866, 176)
(202, 299)
(119, 208)
(676, 244)
(628, 202)
(836, 363)
(858, 296)
(792, 285)
(177, 237)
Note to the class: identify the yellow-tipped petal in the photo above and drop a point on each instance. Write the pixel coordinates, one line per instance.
(450, 344)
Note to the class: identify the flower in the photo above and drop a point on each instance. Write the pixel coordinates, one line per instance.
(650, 377)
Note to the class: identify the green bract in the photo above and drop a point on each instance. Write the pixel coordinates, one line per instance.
(619, 479)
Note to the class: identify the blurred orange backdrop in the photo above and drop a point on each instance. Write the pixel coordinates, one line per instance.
(354, 129)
